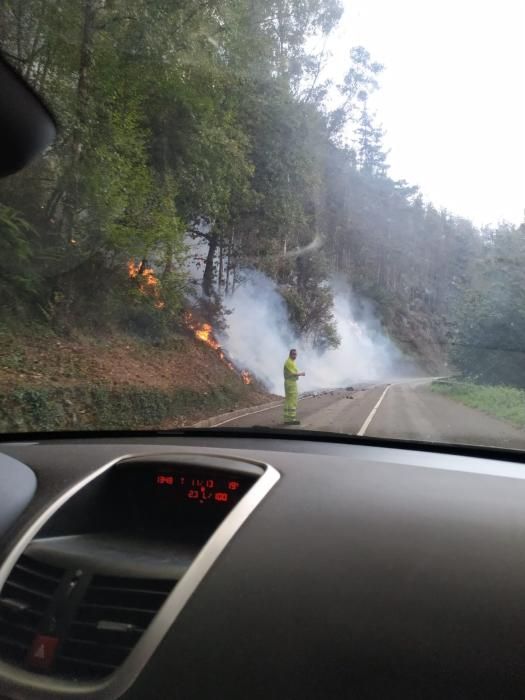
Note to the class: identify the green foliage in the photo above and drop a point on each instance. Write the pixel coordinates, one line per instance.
(489, 345)
(18, 281)
(310, 301)
(208, 118)
(504, 402)
(101, 407)
(174, 114)
(370, 154)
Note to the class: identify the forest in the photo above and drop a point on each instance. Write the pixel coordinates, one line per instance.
(210, 121)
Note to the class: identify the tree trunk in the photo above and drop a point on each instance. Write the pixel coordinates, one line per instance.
(168, 260)
(221, 263)
(207, 278)
(85, 61)
(237, 260)
(234, 275)
(229, 265)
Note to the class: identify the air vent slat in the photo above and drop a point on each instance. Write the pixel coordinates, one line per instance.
(95, 644)
(37, 574)
(119, 608)
(27, 589)
(24, 576)
(14, 643)
(26, 596)
(117, 647)
(92, 652)
(94, 626)
(107, 622)
(124, 589)
(9, 641)
(28, 617)
(38, 568)
(124, 598)
(96, 613)
(65, 663)
(36, 604)
(90, 633)
(18, 627)
(131, 584)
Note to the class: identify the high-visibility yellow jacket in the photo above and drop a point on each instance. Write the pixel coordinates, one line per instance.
(290, 380)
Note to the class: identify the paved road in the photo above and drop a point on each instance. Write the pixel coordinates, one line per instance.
(407, 409)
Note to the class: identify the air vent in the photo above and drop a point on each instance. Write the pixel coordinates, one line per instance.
(24, 600)
(108, 623)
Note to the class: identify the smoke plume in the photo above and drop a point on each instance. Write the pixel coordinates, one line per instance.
(259, 337)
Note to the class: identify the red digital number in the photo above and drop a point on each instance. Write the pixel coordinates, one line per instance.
(233, 485)
(193, 493)
(221, 496)
(162, 479)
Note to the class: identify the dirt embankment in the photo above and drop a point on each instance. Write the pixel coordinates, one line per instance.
(84, 382)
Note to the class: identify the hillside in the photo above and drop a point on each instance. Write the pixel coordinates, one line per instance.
(421, 338)
(52, 382)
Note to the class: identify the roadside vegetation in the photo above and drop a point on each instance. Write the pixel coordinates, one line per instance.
(504, 402)
(101, 407)
(51, 382)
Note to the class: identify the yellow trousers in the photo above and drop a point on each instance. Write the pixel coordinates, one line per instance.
(291, 396)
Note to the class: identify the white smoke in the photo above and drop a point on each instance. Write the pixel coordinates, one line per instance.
(259, 337)
(196, 253)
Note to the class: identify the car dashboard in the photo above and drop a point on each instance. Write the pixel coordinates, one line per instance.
(248, 567)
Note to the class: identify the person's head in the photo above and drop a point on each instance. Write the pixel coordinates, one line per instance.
(293, 353)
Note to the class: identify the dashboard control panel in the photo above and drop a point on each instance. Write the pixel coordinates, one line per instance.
(173, 500)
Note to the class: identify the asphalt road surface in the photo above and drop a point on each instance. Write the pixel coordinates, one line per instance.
(405, 409)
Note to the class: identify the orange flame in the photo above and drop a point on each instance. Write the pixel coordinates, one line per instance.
(246, 377)
(204, 333)
(147, 282)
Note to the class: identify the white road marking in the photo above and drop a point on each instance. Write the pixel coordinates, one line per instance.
(252, 413)
(367, 422)
(365, 425)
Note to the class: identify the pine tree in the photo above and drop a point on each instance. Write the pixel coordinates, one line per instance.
(371, 157)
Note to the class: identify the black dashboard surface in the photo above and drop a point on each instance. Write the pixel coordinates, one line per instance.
(366, 572)
(17, 488)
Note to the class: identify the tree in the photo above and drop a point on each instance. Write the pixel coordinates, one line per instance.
(210, 119)
(490, 340)
(371, 157)
(360, 80)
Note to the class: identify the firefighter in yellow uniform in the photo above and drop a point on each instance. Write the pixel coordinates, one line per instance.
(291, 394)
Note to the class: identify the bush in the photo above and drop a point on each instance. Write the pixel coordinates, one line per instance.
(99, 407)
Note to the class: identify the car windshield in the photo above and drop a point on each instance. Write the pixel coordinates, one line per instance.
(300, 215)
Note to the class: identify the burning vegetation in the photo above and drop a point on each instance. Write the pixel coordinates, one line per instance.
(246, 377)
(148, 285)
(147, 282)
(204, 333)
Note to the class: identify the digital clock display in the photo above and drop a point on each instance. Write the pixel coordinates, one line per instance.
(201, 488)
(175, 502)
